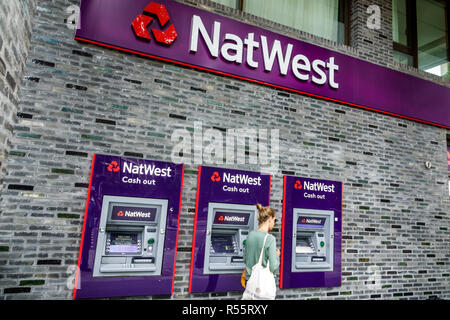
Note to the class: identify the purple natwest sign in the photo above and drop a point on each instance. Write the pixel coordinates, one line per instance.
(227, 186)
(131, 178)
(179, 33)
(313, 196)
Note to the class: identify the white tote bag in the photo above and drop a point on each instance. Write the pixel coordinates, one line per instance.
(261, 285)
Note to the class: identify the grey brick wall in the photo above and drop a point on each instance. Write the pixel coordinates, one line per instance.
(77, 99)
(375, 45)
(16, 18)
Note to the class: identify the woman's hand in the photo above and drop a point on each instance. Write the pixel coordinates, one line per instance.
(278, 253)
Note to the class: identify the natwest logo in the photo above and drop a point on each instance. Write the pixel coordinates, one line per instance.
(231, 218)
(113, 167)
(312, 221)
(318, 186)
(133, 213)
(142, 21)
(298, 185)
(215, 177)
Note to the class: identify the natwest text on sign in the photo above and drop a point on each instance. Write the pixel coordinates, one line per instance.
(232, 50)
(147, 169)
(318, 186)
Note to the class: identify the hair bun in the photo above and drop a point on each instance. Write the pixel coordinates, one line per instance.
(264, 213)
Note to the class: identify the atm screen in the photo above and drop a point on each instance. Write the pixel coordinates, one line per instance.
(222, 244)
(304, 245)
(123, 243)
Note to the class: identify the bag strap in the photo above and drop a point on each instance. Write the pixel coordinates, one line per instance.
(262, 250)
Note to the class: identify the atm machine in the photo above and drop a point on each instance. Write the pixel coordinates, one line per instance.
(227, 229)
(312, 240)
(131, 236)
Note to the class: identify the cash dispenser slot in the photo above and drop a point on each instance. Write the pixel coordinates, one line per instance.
(131, 237)
(140, 260)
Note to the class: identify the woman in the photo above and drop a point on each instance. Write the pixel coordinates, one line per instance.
(255, 240)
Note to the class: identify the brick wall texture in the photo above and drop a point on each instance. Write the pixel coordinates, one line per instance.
(15, 33)
(78, 99)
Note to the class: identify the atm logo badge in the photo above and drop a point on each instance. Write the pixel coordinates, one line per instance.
(215, 177)
(120, 213)
(298, 185)
(231, 218)
(113, 166)
(311, 221)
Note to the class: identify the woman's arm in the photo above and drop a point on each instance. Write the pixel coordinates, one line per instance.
(274, 261)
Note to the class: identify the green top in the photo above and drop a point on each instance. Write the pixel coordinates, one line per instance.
(252, 251)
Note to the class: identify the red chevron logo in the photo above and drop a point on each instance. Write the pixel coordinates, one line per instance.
(215, 177)
(113, 166)
(142, 21)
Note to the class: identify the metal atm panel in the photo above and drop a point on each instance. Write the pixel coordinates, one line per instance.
(131, 237)
(227, 229)
(312, 240)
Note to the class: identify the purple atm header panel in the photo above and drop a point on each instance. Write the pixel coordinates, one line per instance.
(121, 213)
(129, 177)
(224, 186)
(310, 194)
(222, 218)
(185, 35)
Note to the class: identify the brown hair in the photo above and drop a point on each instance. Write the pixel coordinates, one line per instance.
(264, 213)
